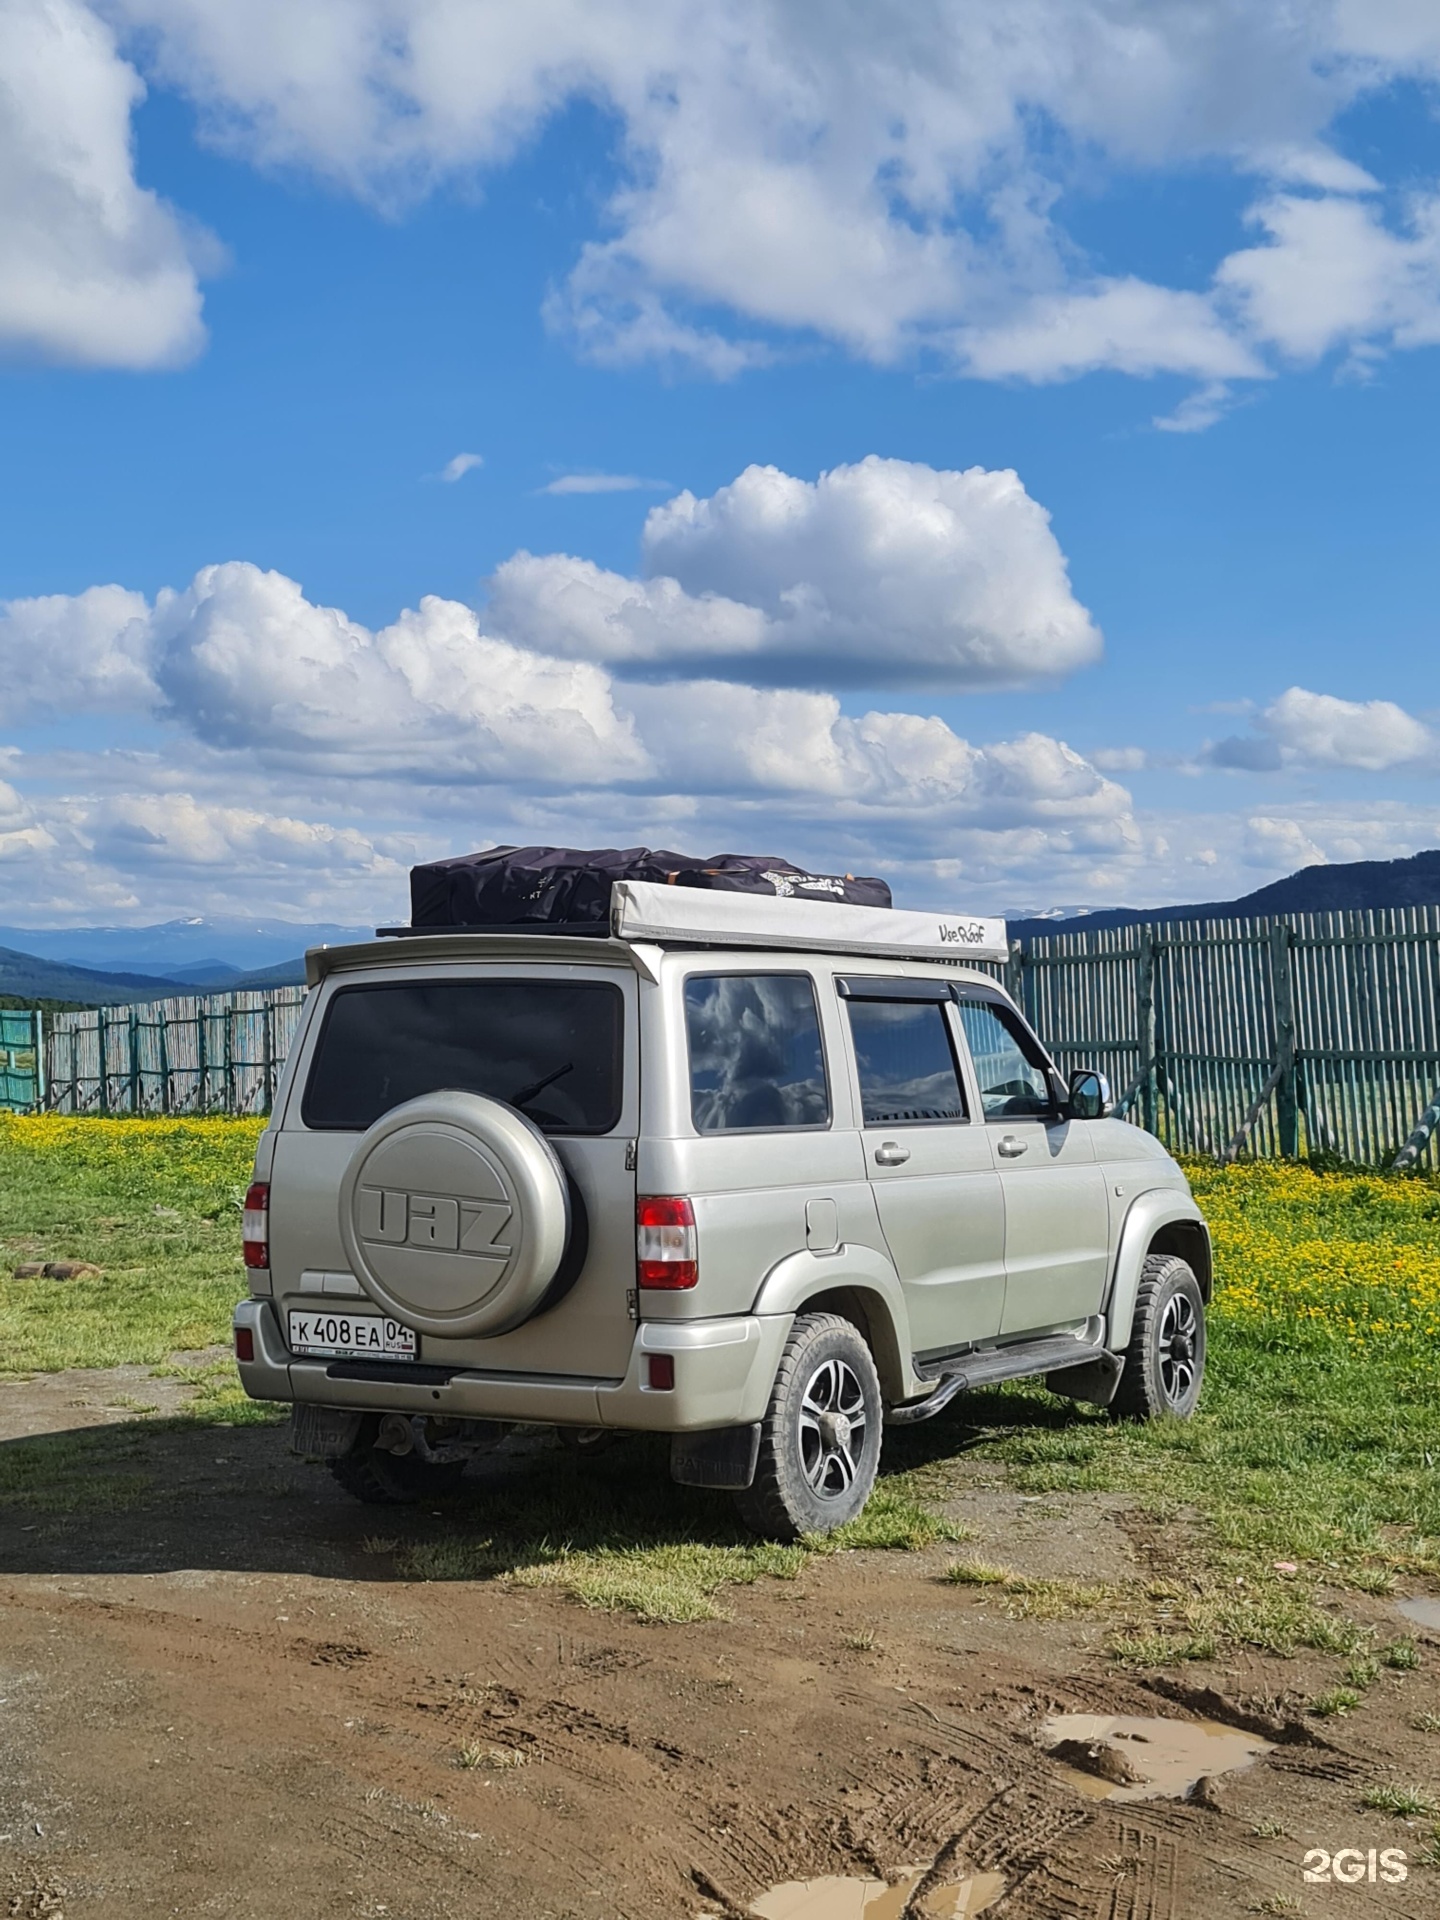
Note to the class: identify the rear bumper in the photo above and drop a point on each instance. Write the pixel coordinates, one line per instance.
(724, 1372)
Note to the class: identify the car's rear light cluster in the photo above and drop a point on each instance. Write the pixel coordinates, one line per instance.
(667, 1253)
(255, 1225)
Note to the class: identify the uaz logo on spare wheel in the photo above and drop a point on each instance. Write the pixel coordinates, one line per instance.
(436, 1224)
(392, 1217)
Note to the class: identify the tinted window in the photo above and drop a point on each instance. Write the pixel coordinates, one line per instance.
(1008, 1062)
(549, 1047)
(755, 1054)
(906, 1062)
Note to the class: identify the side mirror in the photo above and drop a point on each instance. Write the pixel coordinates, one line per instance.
(1089, 1094)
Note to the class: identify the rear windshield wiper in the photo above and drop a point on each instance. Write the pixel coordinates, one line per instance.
(527, 1094)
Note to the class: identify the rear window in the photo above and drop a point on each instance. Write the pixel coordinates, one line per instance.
(755, 1054)
(552, 1048)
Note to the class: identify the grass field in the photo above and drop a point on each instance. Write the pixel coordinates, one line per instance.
(1316, 1444)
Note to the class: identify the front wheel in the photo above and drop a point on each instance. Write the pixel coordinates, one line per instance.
(820, 1439)
(1165, 1360)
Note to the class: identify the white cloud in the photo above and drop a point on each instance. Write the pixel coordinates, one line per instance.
(1307, 730)
(1121, 759)
(1279, 844)
(1128, 325)
(884, 573)
(1333, 274)
(69, 653)
(94, 269)
(461, 464)
(246, 661)
(302, 748)
(891, 180)
(602, 483)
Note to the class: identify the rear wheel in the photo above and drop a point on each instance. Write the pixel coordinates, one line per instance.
(820, 1439)
(383, 1479)
(1165, 1360)
(587, 1441)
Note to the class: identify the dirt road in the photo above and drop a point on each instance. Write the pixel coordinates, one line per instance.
(217, 1697)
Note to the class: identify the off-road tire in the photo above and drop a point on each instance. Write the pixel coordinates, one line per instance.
(384, 1479)
(1165, 1360)
(801, 1483)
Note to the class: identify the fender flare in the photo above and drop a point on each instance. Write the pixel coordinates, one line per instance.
(870, 1280)
(1175, 1219)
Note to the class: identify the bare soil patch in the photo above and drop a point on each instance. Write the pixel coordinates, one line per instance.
(217, 1697)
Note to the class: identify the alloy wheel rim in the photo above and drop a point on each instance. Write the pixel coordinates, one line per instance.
(1181, 1343)
(833, 1425)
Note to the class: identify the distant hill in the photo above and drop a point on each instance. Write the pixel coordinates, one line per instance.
(1414, 882)
(27, 978)
(198, 950)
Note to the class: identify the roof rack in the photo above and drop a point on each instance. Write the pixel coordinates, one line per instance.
(642, 910)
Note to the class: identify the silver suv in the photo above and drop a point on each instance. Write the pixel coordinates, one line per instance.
(764, 1176)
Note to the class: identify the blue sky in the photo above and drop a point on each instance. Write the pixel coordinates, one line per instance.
(1175, 268)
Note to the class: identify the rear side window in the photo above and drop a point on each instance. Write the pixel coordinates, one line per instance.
(552, 1048)
(906, 1062)
(755, 1053)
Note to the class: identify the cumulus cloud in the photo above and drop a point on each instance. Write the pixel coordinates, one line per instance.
(889, 180)
(94, 269)
(281, 716)
(245, 660)
(69, 653)
(1316, 730)
(884, 573)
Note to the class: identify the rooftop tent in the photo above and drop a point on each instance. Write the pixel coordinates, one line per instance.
(549, 886)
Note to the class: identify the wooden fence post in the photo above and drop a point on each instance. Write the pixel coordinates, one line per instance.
(1287, 1105)
(1145, 1018)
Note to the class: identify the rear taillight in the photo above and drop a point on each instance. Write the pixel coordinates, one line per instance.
(244, 1343)
(255, 1225)
(666, 1252)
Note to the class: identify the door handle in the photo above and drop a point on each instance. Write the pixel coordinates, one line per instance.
(890, 1154)
(1012, 1148)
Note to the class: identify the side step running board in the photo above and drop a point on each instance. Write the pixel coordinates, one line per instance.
(996, 1364)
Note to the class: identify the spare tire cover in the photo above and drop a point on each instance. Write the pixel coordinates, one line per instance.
(454, 1213)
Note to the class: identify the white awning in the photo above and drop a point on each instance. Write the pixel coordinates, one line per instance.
(643, 910)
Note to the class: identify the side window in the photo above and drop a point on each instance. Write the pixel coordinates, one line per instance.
(1008, 1062)
(907, 1065)
(755, 1054)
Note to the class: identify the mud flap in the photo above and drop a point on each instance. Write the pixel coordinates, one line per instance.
(720, 1457)
(1095, 1383)
(323, 1433)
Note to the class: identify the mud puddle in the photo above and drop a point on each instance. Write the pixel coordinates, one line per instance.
(1125, 1757)
(843, 1897)
(1422, 1609)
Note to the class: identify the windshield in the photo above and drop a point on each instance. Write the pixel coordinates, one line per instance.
(552, 1048)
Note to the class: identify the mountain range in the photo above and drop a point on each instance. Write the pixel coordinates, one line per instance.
(116, 966)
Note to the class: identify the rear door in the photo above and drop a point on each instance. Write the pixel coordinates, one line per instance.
(564, 1038)
(929, 1161)
(1057, 1219)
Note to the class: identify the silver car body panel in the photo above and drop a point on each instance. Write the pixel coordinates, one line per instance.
(954, 1248)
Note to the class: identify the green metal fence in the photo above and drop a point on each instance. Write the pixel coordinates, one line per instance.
(1302, 1034)
(22, 1059)
(1295, 1035)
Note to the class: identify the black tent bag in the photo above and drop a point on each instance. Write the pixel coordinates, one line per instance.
(549, 886)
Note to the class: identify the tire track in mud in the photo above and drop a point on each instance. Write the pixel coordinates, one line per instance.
(665, 1770)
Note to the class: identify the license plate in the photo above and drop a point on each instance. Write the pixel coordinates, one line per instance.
(351, 1336)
